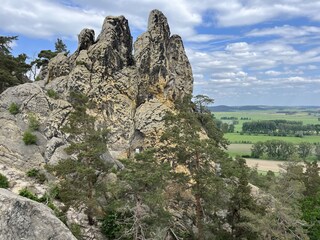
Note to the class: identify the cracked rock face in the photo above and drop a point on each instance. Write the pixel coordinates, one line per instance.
(22, 218)
(132, 92)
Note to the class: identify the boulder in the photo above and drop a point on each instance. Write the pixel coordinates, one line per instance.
(22, 218)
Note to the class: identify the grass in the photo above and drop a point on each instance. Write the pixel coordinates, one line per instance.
(237, 138)
(239, 149)
(241, 144)
(266, 115)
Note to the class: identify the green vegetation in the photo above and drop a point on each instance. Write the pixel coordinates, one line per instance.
(45, 55)
(281, 150)
(126, 216)
(180, 186)
(4, 183)
(34, 123)
(25, 192)
(265, 115)
(29, 138)
(280, 128)
(81, 180)
(52, 94)
(76, 230)
(13, 108)
(249, 139)
(12, 69)
(36, 174)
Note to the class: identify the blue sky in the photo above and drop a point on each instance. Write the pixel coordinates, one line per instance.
(243, 52)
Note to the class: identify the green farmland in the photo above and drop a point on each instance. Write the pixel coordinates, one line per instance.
(238, 138)
(240, 144)
(266, 115)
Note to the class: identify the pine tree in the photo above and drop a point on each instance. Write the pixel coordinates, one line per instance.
(310, 204)
(82, 174)
(242, 205)
(283, 218)
(12, 69)
(188, 147)
(139, 204)
(46, 55)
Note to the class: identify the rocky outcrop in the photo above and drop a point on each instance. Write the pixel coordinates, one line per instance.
(22, 218)
(132, 93)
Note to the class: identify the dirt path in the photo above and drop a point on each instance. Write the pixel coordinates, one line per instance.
(264, 165)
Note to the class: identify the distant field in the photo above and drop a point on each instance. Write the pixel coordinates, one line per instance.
(266, 115)
(256, 115)
(239, 149)
(241, 144)
(237, 138)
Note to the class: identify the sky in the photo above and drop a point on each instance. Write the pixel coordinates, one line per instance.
(242, 52)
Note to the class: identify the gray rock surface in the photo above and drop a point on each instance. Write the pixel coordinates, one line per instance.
(22, 218)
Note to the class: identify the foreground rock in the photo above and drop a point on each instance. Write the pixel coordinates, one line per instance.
(22, 218)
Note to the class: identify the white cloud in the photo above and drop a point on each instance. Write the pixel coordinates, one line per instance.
(285, 31)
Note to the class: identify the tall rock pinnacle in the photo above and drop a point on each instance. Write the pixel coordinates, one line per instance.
(161, 61)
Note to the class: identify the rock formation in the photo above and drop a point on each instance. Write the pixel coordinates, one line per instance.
(22, 218)
(132, 93)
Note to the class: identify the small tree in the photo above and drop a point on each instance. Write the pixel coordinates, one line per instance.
(305, 149)
(283, 218)
(317, 152)
(257, 150)
(45, 55)
(60, 46)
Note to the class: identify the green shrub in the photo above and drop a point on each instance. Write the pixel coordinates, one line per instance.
(33, 122)
(36, 174)
(4, 183)
(29, 138)
(14, 108)
(114, 224)
(52, 94)
(54, 192)
(76, 230)
(28, 194)
(33, 172)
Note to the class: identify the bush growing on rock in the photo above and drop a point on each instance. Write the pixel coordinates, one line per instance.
(28, 194)
(36, 174)
(13, 108)
(29, 138)
(4, 183)
(52, 94)
(33, 122)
